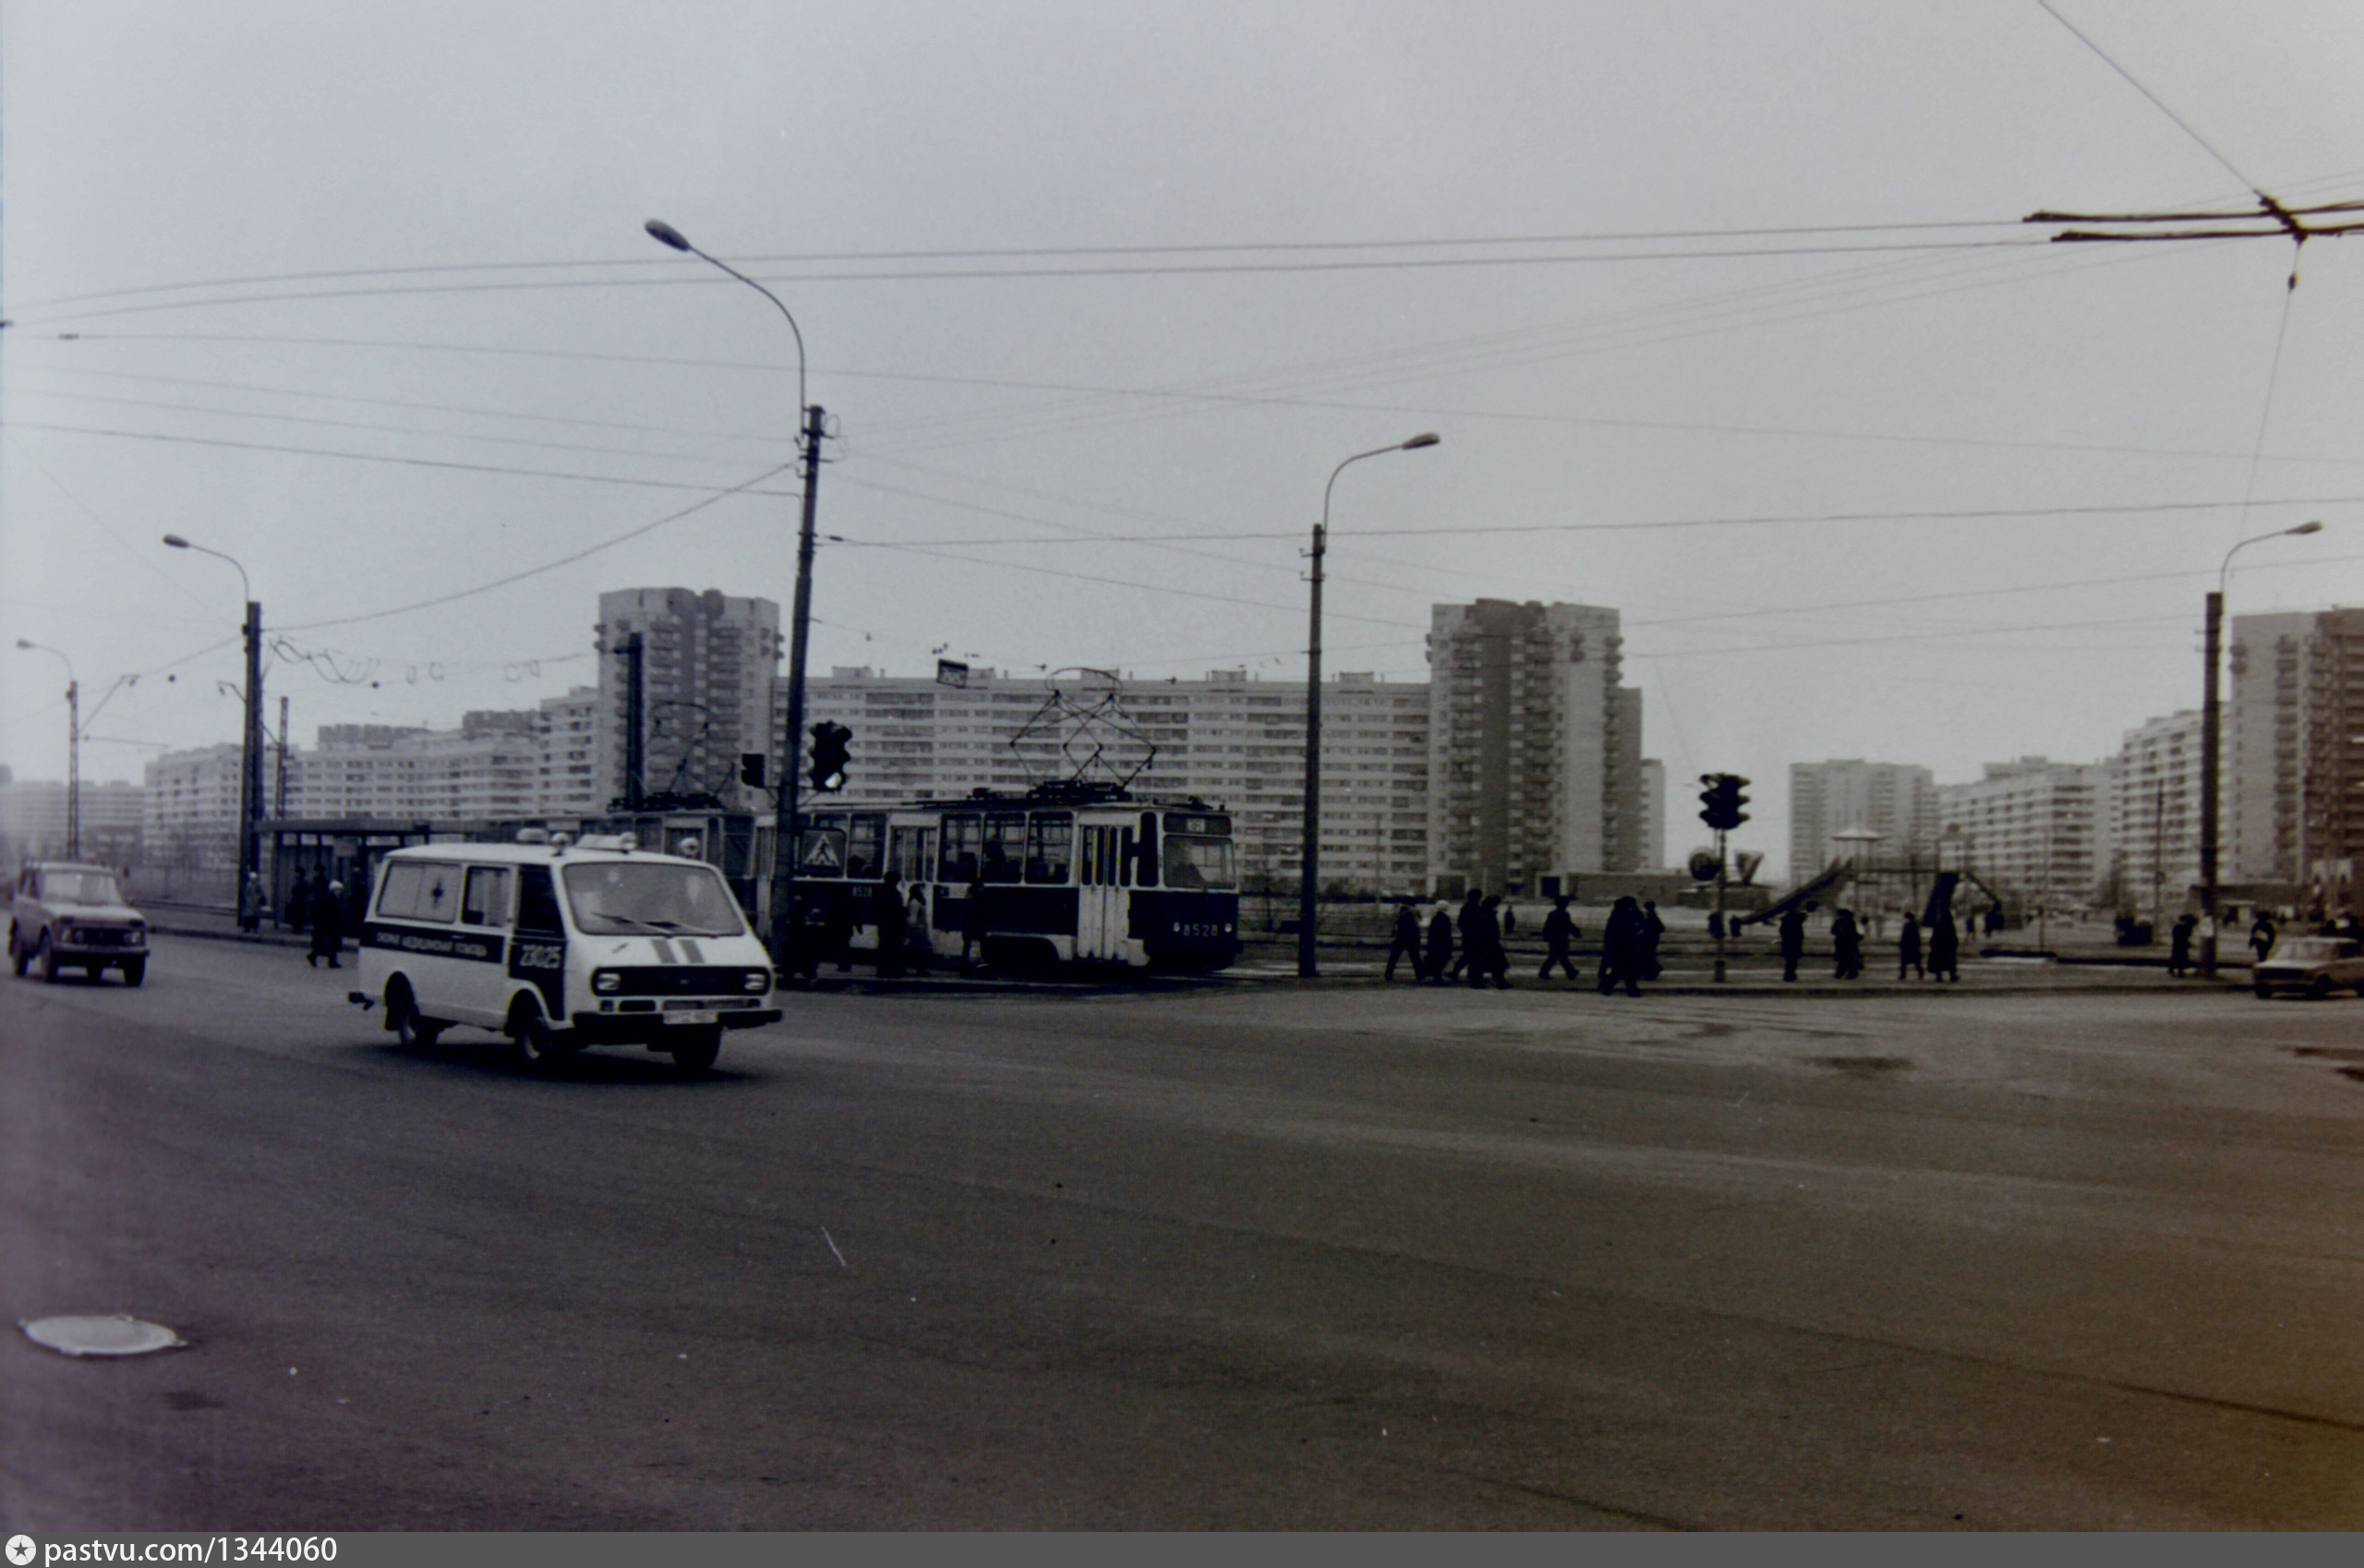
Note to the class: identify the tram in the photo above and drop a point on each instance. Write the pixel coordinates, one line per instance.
(1073, 873)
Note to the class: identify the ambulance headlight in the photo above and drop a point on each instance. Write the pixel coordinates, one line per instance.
(607, 982)
(757, 982)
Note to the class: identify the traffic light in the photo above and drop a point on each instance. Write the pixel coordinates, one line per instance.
(830, 756)
(1721, 801)
(751, 769)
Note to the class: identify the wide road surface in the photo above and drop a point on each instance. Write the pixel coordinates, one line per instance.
(1249, 1256)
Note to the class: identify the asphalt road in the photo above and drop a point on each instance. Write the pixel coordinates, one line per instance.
(1246, 1257)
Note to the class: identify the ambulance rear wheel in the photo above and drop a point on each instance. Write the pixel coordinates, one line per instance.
(696, 1049)
(413, 1032)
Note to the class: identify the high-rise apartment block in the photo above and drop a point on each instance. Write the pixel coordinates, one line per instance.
(2033, 828)
(1229, 740)
(1653, 816)
(1897, 801)
(2294, 749)
(706, 665)
(1535, 750)
(2153, 815)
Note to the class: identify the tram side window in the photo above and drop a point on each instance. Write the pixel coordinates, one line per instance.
(865, 843)
(964, 840)
(1049, 846)
(1005, 847)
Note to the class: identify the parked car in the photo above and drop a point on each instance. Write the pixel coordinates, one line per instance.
(2316, 965)
(70, 914)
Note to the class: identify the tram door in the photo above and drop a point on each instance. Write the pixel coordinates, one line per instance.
(910, 855)
(1100, 900)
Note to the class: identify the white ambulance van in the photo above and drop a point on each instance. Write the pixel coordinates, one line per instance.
(560, 946)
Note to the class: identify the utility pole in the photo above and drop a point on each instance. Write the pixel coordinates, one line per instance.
(1721, 924)
(250, 780)
(635, 724)
(1308, 865)
(73, 769)
(787, 838)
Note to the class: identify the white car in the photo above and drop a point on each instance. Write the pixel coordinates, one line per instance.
(2316, 965)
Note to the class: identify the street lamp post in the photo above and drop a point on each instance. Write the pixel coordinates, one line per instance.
(2212, 745)
(73, 748)
(251, 794)
(785, 845)
(1309, 860)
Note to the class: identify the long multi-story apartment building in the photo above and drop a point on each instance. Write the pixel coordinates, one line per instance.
(2033, 828)
(706, 665)
(1229, 740)
(1535, 749)
(35, 820)
(2151, 811)
(1848, 795)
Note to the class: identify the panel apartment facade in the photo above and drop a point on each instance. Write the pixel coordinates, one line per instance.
(707, 666)
(1231, 740)
(2034, 829)
(2295, 749)
(1897, 801)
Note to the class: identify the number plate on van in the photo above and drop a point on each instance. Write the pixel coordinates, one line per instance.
(690, 1018)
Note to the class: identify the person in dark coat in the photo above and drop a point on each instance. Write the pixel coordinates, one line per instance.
(1653, 928)
(328, 927)
(1407, 943)
(887, 914)
(1944, 948)
(1473, 910)
(299, 903)
(1559, 929)
(973, 921)
(2261, 934)
(1440, 944)
(1715, 925)
(2179, 944)
(1621, 948)
(837, 927)
(1908, 950)
(1846, 946)
(1481, 946)
(1793, 939)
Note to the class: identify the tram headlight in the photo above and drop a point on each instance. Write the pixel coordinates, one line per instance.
(756, 981)
(607, 982)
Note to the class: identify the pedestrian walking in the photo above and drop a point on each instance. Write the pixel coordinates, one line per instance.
(1715, 925)
(1620, 943)
(1793, 939)
(2179, 944)
(1846, 946)
(887, 914)
(1440, 944)
(1559, 930)
(328, 927)
(300, 904)
(1497, 955)
(1473, 910)
(1647, 944)
(1407, 942)
(1908, 950)
(1509, 921)
(1944, 948)
(2261, 934)
(919, 948)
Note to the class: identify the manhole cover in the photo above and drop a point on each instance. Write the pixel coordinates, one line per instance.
(100, 1337)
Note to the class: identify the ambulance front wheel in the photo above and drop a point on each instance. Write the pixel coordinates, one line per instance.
(696, 1048)
(536, 1042)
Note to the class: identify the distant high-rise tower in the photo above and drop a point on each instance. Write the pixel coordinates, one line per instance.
(706, 662)
(2294, 808)
(1535, 749)
(1894, 800)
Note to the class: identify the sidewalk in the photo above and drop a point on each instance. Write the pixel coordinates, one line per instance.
(217, 926)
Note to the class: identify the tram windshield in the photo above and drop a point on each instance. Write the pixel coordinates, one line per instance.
(620, 898)
(1192, 860)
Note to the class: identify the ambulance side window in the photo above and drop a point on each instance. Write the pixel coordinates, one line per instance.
(486, 900)
(537, 903)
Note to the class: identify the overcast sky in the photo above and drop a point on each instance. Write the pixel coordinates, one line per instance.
(359, 296)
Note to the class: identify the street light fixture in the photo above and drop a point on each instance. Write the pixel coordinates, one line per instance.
(785, 845)
(2212, 743)
(73, 748)
(250, 795)
(1309, 858)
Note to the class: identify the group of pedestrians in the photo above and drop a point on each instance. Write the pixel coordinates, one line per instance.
(1629, 944)
(1936, 957)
